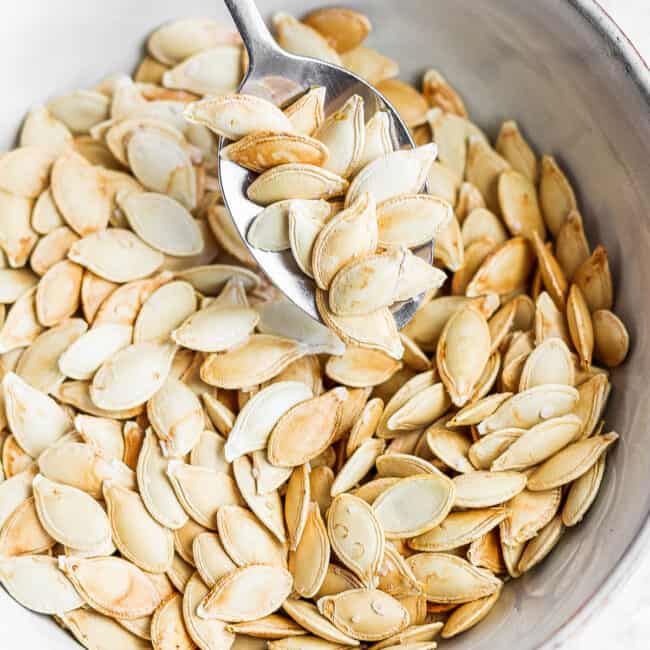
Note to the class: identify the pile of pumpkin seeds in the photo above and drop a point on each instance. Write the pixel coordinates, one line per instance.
(188, 460)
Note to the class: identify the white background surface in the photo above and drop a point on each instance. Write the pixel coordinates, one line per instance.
(624, 621)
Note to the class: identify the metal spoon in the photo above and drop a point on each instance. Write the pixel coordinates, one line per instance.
(282, 77)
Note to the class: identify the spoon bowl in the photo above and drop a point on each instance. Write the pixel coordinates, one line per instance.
(281, 78)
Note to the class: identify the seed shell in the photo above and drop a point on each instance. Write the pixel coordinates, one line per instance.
(349, 235)
(72, 517)
(295, 181)
(462, 353)
(155, 489)
(357, 465)
(259, 359)
(35, 419)
(299, 38)
(202, 491)
(570, 463)
(257, 419)
(398, 172)
(450, 579)
(306, 430)
(116, 255)
(539, 443)
(468, 615)
(273, 626)
(112, 586)
(343, 134)
(132, 375)
(94, 630)
(482, 489)
(307, 615)
(246, 540)
(357, 536)
(36, 583)
(140, 538)
(267, 507)
(459, 529)
(395, 576)
(531, 407)
(582, 493)
(310, 560)
(528, 513)
(365, 614)
(206, 634)
(611, 339)
(231, 599)
(23, 533)
(414, 504)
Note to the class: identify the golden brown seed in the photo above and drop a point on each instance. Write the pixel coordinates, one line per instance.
(612, 341)
(514, 148)
(556, 194)
(504, 270)
(439, 93)
(552, 276)
(580, 325)
(410, 104)
(484, 166)
(344, 29)
(595, 280)
(462, 353)
(369, 64)
(307, 429)
(571, 246)
(519, 205)
(262, 150)
(570, 463)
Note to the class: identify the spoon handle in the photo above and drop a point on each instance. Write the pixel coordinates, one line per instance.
(253, 30)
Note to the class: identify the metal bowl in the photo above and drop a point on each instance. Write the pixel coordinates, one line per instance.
(578, 89)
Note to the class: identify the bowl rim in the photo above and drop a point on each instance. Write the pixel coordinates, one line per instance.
(636, 68)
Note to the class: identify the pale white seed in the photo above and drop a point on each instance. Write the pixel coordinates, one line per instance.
(415, 504)
(85, 355)
(399, 172)
(211, 72)
(257, 419)
(155, 489)
(236, 116)
(132, 375)
(162, 222)
(35, 419)
(116, 255)
(176, 416)
(36, 583)
(72, 517)
(177, 40)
